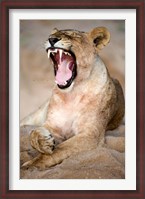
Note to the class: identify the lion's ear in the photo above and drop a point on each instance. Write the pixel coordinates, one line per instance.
(100, 37)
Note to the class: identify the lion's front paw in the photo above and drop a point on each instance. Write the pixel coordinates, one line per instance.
(42, 140)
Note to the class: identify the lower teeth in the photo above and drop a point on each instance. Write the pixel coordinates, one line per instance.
(64, 83)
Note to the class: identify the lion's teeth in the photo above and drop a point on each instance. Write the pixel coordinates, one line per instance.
(49, 53)
(64, 83)
(54, 50)
(66, 53)
(60, 53)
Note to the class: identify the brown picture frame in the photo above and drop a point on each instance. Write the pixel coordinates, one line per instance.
(6, 5)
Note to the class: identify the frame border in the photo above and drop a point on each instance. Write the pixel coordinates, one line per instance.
(5, 6)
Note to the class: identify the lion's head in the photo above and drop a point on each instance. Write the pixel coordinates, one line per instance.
(74, 52)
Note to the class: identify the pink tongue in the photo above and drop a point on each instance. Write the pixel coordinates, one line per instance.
(63, 73)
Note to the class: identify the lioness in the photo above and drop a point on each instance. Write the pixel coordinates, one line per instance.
(85, 102)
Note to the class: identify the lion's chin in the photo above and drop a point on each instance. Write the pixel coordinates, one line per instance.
(67, 89)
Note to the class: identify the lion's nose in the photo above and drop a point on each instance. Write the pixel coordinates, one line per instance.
(53, 41)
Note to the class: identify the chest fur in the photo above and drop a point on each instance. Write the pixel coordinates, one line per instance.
(64, 112)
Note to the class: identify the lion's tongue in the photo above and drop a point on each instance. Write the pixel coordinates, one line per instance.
(63, 73)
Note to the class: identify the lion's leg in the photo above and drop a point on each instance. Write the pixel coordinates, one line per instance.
(45, 139)
(78, 143)
(87, 139)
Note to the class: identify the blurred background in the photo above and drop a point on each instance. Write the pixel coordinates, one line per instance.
(36, 72)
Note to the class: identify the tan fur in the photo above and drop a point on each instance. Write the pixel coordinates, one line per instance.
(78, 116)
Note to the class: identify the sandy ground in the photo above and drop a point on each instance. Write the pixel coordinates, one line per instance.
(106, 162)
(37, 81)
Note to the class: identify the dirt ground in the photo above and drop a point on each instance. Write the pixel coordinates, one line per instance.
(37, 81)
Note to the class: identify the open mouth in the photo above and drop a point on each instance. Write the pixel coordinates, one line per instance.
(64, 66)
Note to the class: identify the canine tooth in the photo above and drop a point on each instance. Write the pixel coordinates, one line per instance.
(60, 53)
(49, 53)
